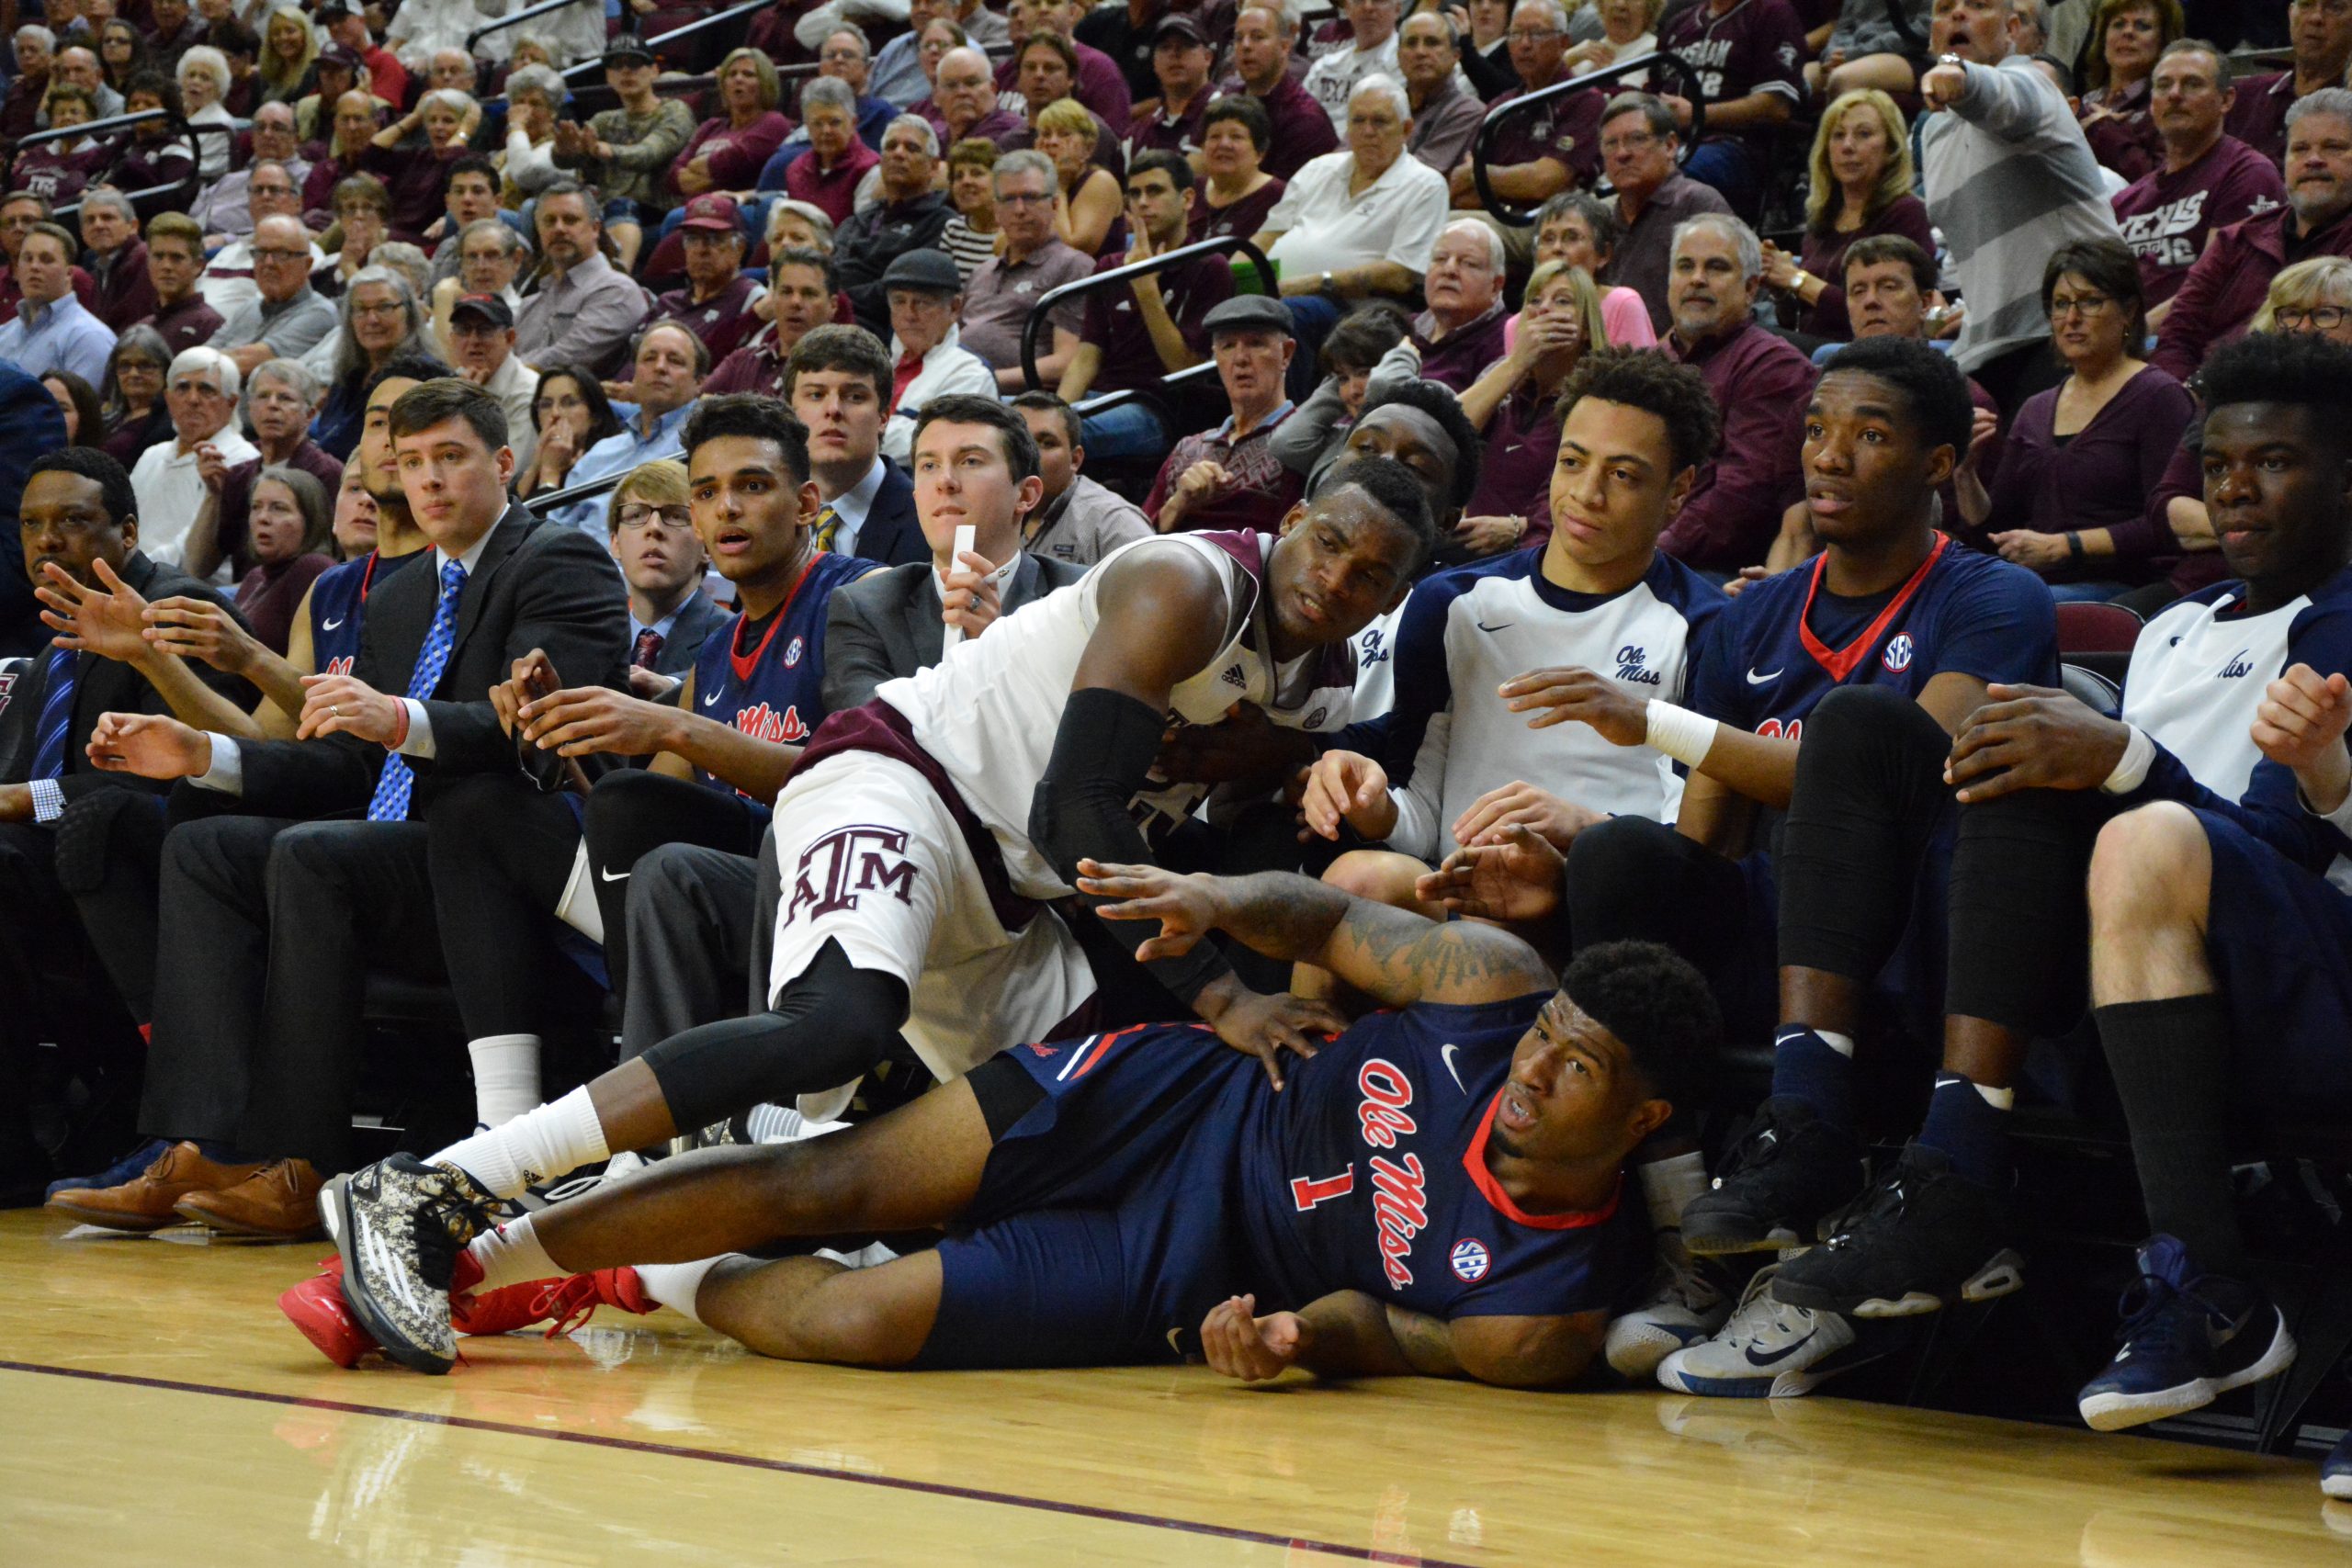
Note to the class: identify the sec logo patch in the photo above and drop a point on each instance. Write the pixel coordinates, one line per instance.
(1470, 1260)
(793, 652)
(1897, 657)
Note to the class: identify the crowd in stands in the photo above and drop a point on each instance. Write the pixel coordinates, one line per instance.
(1924, 317)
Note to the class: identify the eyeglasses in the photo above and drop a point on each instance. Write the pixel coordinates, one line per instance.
(2318, 318)
(388, 308)
(679, 517)
(2086, 305)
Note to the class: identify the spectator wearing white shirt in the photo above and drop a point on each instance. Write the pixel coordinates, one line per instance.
(1332, 80)
(272, 191)
(203, 76)
(200, 392)
(1356, 224)
(926, 294)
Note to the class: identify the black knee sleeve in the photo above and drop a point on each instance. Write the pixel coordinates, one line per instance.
(828, 1027)
(2018, 951)
(1870, 799)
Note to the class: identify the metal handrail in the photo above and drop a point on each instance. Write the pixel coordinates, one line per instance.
(525, 14)
(1508, 211)
(184, 185)
(701, 24)
(544, 502)
(1120, 274)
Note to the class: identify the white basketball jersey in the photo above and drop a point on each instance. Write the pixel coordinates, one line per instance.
(988, 711)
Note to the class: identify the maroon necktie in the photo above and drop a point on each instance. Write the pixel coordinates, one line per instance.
(648, 649)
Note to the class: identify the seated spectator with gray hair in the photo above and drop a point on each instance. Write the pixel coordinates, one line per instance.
(417, 174)
(20, 110)
(116, 257)
(289, 317)
(910, 216)
(200, 392)
(1639, 145)
(823, 162)
(1761, 381)
(1031, 261)
(381, 320)
(281, 399)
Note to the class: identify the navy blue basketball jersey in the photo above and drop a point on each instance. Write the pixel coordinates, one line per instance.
(769, 680)
(339, 607)
(1369, 1175)
(1787, 642)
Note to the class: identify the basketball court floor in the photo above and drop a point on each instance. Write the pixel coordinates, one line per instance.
(154, 1408)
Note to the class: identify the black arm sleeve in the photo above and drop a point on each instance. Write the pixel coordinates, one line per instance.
(1102, 752)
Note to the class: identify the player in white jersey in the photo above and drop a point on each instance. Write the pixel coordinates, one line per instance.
(918, 834)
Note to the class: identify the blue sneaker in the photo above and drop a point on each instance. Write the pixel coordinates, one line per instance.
(2335, 1470)
(127, 1168)
(2187, 1339)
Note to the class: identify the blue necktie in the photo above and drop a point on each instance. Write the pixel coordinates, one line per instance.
(56, 716)
(392, 786)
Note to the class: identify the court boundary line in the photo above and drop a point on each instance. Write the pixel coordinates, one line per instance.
(747, 1461)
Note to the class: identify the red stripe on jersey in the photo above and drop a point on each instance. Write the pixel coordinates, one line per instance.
(1841, 663)
(1474, 1161)
(744, 664)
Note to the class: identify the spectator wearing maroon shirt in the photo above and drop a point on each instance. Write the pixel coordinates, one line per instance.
(117, 259)
(963, 101)
(1749, 55)
(1638, 147)
(727, 151)
(2225, 285)
(417, 178)
(1096, 80)
(1300, 129)
(1536, 156)
(1446, 113)
(174, 261)
(1460, 333)
(2127, 36)
(1862, 181)
(60, 170)
(714, 305)
(1760, 382)
(1137, 336)
(1236, 193)
(2321, 31)
(1514, 405)
(1230, 477)
(151, 159)
(20, 111)
(2081, 461)
(1180, 59)
(2206, 182)
(826, 172)
(800, 299)
(171, 32)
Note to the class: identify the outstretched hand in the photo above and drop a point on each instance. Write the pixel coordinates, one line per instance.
(1240, 1343)
(106, 620)
(1512, 877)
(149, 746)
(1185, 907)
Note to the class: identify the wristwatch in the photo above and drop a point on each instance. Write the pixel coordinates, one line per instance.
(1950, 60)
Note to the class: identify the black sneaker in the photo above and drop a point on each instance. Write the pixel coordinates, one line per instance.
(2188, 1338)
(1919, 1238)
(1789, 1171)
(401, 1225)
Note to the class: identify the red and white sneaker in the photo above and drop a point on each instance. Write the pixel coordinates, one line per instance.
(316, 1306)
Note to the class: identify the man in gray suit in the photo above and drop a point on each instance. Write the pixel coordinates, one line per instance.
(699, 920)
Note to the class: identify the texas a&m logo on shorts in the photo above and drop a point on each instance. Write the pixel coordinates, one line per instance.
(849, 862)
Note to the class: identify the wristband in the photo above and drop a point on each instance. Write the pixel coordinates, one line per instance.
(399, 732)
(2074, 548)
(1682, 735)
(2131, 771)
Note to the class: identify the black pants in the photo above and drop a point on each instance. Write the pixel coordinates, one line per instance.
(499, 853)
(632, 812)
(1876, 857)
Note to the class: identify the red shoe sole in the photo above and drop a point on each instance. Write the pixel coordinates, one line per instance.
(322, 1319)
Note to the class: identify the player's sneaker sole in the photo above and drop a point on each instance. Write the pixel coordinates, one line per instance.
(2115, 1411)
(2003, 1274)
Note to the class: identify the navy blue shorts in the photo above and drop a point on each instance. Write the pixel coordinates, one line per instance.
(1099, 1233)
(2280, 942)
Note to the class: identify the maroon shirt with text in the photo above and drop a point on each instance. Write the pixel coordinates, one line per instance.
(1758, 46)
(2166, 218)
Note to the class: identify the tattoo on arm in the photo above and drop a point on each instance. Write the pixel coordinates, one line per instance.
(1427, 1343)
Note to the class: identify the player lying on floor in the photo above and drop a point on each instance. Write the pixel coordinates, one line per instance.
(1437, 1193)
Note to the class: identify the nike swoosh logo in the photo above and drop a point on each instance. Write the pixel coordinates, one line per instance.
(612, 875)
(1755, 680)
(330, 625)
(1783, 1354)
(1504, 627)
(1448, 1054)
(711, 701)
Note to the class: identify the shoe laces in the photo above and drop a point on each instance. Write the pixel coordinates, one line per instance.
(445, 1219)
(2153, 1305)
(1884, 1199)
(570, 1302)
(1760, 1311)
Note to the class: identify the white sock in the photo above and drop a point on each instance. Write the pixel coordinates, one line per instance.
(507, 1076)
(1670, 1183)
(511, 1254)
(1841, 1043)
(1998, 1098)
(540, 1145)
(675, 1285)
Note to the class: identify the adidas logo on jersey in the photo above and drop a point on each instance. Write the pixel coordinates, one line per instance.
(1233, 676)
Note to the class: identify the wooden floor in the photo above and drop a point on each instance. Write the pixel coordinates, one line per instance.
(155, 1408)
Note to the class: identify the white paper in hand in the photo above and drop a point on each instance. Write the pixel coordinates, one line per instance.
(965, 538)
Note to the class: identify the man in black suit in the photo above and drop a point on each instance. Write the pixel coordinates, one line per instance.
(652, 533)
(838, 382)
(269, 922)
(78, 516)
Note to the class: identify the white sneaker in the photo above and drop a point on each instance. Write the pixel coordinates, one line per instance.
(1685, 1305)
(1768, 1349)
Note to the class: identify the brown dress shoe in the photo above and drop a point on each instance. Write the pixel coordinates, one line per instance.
(145, 1202)
(277, 1202)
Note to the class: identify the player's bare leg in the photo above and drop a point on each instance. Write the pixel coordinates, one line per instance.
(812, 1309)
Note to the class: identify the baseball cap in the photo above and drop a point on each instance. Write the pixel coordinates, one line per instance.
(628, 46)
(1189, 26)
(717, 213)
(339, 54)
(490, 307)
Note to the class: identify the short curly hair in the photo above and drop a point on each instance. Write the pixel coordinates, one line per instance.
(1435, 400)
(2302, 369)
(1659, 1009)
(1642, 378)
(1930, 383)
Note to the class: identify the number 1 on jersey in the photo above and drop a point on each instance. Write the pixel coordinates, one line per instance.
(1306, 1190)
